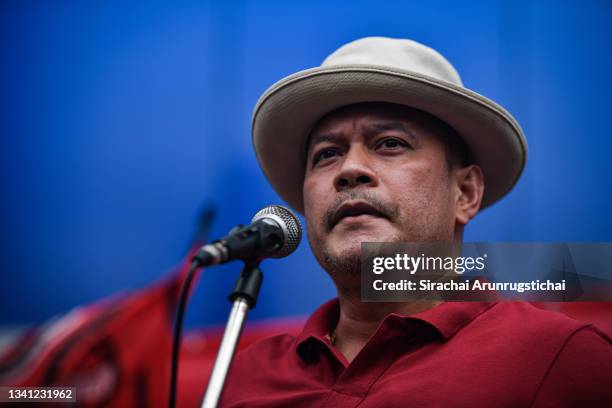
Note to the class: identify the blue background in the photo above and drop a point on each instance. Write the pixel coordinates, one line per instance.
(120, 120)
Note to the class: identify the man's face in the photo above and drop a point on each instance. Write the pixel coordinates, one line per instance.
(375, 173)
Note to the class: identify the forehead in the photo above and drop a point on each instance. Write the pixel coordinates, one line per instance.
(369, 109)
(378, 116)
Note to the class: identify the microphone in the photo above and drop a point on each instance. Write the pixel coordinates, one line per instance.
(274, 232)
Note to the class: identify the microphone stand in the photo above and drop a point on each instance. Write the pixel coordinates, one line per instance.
(244, 297)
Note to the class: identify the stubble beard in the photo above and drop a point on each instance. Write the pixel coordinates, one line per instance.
(344, 265)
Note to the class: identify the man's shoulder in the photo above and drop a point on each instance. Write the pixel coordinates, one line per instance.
(260, 362)
(528, 314)
(523, 319)
(546, 350)
(267, 348)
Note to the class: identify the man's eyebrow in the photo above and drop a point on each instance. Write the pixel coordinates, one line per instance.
(323, 137)
(379, 127)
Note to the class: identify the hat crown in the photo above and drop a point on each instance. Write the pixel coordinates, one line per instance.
(395, 53)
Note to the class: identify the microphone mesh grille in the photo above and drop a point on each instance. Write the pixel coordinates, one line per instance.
(291, 228)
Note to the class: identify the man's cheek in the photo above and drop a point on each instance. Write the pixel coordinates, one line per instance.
(314, 206)
(308, 191)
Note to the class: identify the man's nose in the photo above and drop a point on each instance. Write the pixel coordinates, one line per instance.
(355, 171)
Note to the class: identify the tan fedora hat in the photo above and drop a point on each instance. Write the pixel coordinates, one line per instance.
(378, 69)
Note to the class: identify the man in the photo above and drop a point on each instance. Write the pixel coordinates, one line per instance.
(384, 144)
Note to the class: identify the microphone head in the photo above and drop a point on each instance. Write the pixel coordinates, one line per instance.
(289, 223)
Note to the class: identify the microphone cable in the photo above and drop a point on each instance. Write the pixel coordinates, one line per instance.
(178, 329)
(205, 220)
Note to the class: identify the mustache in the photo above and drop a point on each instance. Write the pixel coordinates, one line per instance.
(387, 209)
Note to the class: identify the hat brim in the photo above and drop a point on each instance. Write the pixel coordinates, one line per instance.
(288, 110)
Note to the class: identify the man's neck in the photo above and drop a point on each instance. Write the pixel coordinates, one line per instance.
(358, 320)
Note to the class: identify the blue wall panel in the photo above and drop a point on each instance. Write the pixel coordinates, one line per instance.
(119, 121)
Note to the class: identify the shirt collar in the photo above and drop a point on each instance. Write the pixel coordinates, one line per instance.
(317, 327)
(447, 319)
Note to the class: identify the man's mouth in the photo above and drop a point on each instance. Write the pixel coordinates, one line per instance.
(355, 211)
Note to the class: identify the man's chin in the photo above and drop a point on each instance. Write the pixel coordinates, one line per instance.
(344, 254)
(342, 247)
(346, 261)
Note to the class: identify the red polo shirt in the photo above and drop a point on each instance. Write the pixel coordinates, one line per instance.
(506, 354)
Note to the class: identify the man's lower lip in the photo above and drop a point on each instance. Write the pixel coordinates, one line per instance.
(358, 218)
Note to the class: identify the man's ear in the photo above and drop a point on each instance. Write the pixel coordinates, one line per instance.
(470, 188)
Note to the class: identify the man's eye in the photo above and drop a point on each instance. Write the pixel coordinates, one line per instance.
(392, 143)
(324, 154)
